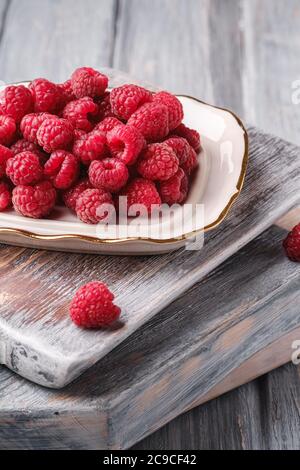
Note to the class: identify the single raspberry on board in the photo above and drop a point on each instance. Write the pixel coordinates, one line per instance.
(180, 146)
(30, 124)
(5, 196)
(291, 244)
(93, 307)
(23, 145)
(158, 162)
(7, 129)
(88, 82)
(47, 96)
(143, 192)
(16, 101)
(125, 142)
(89, 203)
(108, 124)
(80, 112)
(90, 147)
(5, 154)
(24, 168)
(191, 163)
(110, 174)
(55, 134)
(71, 195)
(174, 190)
(34, 201)
(191, 135)
(175, 109)
(67, 93)
(151, 120)
(62, 169)
(126, 99)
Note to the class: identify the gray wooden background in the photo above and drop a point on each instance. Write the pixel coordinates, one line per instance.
(242, 54)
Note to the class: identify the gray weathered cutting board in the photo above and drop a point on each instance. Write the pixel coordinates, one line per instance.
(38, 340)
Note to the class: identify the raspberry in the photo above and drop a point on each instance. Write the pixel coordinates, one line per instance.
(291, 244)
(66, 91)
(151, 120)
(71, 195)
(104, 107)
(180, 146)
(93, 307)
(126, 99)
(5, 196)
(90, 147)
(88, 205)
(108, 124)
(5, 154)
(78, 113)
(62, 169)
(30, 124)
(175, 109)
(191, 162)
(88, 82)
(23, 145)
(7, 129)
(24, 168)
(175, 189)
(125, 143)
(78, 133)
(55, 134)
(158, 162)
(46, 95)
(110, 174)
(16, 101)
(34, 201)
(141, 191)
(191, 135)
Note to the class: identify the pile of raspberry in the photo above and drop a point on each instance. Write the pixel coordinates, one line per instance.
(79, 144)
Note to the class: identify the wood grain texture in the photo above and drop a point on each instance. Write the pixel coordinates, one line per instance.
(51, 38)
(41, 343)
(167, 365)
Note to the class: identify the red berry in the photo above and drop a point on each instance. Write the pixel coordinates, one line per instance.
(47, 96)
(79, 113)
(191, 135)
(126, 99)
(5, 154)
(158, 162)
(71, 195)
(93, 307)
(67, 93)
(16, 101)
(24, 168)
(5, 196)
(180, 146)
(151, 120)
(90, 147)
(55, 134)
(174, 190)
(104, 107)
(62, 169)
(30, 124)
(7, 129)
(291, 244)
(174, 106)
(110, 174)
(89, 203)
(88, 82)
(108, 124)
(125, 143)
(78, 133)
(191, 163)
(142, 192)
(23, 145)
(34, 201)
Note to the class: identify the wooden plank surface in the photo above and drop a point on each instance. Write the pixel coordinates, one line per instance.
(170, 363)
(260, 42)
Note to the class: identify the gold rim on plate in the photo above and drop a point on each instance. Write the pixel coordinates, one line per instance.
(185, 236)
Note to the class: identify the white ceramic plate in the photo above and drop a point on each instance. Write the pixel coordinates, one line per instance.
(215, 187)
